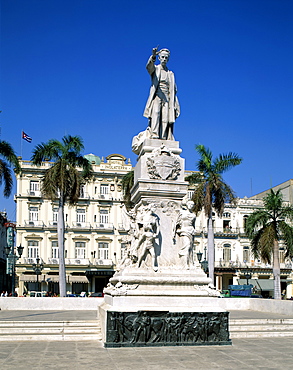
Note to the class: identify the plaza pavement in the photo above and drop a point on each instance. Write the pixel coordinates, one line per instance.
(262, 353)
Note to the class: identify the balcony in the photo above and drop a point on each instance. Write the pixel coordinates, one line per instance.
(53, 223)
(103, 262)
(29, 223)
(104, 227)
(77, 261)
(104, 196)
(81, 225)
(84, 195)
(122, 227)
(31, 260)
(34, 193)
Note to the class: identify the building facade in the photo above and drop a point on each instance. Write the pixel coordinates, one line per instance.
(96, 235)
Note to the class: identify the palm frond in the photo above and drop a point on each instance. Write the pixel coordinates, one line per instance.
(287, 235)
(6, 177)
(225, 162)
(7, 152)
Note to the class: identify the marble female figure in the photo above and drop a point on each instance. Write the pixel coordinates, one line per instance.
(185, 228)
(162, 107)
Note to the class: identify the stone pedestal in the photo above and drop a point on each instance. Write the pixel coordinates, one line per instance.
(160, 295)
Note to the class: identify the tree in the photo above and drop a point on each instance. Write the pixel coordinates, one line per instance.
(10, 159)
(62, 182)
(211, 191)
(127, 184)
(267, 228)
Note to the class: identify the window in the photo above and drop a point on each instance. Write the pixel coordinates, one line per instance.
(246, 254)
(34, 186)
(33, 249)
(33, 214)
(80, 215)
(55, 249)
(226, 226)
(227, 253)
(55, 214)
(80, 250)
(103, 251)
(227, 215)
(104, 216)
(82, 191)
(104, 189)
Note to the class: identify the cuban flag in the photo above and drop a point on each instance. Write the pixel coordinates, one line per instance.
(26, 137)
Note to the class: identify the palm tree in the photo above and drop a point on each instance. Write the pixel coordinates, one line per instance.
(211, 191)
(10, 158)
(127, 184)
(62, 182)
(267, 228)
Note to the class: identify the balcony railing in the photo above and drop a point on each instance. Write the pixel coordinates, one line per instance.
(77, 261)
(103, 262)
(81, 225)
(34, 193)
(34, 223)
(107, 226)
(53, 223)
(31, 260)
(104, 196)
(84, 195)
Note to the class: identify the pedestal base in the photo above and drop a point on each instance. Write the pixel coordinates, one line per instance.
(164, 327)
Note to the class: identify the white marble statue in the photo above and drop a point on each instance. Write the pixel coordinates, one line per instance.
(148, 230)
(162, 107)
(185, 229)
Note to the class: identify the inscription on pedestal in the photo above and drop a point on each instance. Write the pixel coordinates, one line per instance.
(159, 328)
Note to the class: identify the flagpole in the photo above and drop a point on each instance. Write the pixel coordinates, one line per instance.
(21, 144)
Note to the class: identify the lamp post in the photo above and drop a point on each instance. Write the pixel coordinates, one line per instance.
(12, 257)
(204, 263)
(38, 267)
(247, 275)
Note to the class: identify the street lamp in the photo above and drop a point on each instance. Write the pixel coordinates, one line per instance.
(38, 267)
(12, 257)
(247, 275)
(204, 263)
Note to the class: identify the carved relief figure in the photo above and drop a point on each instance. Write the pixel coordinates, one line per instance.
(141, 328)
(148, 225)
(162, 107)
(185, 228)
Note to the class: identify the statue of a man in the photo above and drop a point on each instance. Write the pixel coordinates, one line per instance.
(162, 107)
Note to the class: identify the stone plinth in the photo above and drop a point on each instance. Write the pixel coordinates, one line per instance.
(159, 294)
(159, 172)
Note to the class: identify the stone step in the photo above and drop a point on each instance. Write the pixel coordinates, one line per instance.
(50, 330)
(262, 334)
(260, 328)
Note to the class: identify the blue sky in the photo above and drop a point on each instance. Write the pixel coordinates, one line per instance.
(78, 67)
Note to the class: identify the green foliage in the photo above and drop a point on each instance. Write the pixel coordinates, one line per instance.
(266, 226)
(69, 171)
(211, 190)
(9, 159)
(127, 184)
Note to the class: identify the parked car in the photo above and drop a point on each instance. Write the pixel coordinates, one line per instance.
(37, 294)
(97, 294)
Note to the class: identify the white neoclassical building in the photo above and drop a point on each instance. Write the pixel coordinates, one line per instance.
(96, 235)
